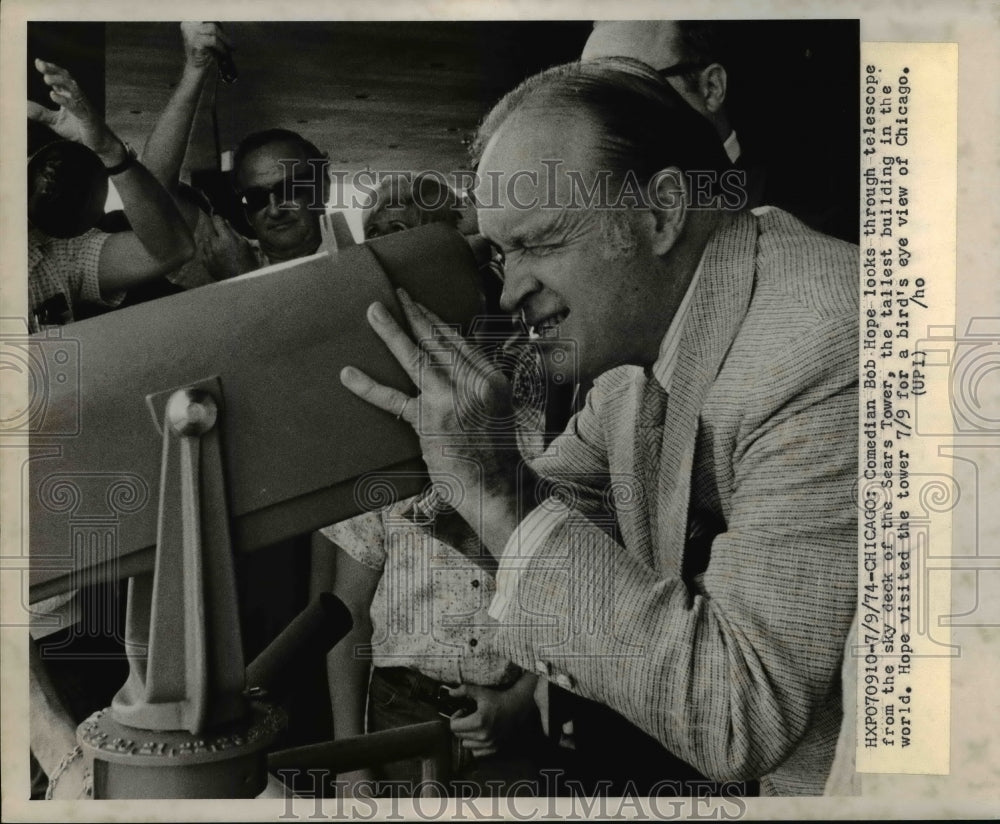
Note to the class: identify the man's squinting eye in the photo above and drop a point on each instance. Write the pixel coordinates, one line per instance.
(540, 250)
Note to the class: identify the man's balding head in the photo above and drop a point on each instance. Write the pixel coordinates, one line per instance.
(643, 124)
(585, 186)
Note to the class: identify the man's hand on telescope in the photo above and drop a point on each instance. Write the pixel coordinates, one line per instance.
(463, 415)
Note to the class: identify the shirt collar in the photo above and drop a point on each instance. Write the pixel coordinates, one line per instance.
(732, 147)
(666, 362)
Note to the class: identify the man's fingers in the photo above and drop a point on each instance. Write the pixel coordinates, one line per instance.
(223, 38)
(59, 78)
(204, 42)
(41, 114)
(384, 397)
(213, 44)
(471, 726)
(442, 344)
(213, 30)
(424, 328)
(445, 330)
(417, 321)
(430, 328)
(224, 231)
(65, 90)
(478, 740)
(74, 105)
(215, 222)
(395, 338)
(433, 319)
(222, 227)
(47, 68)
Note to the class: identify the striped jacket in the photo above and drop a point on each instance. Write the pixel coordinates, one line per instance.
(727, 650)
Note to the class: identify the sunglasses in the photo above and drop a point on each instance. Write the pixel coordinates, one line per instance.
(257, 198)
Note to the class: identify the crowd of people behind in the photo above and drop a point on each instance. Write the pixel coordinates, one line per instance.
(167, 236)
(426, 639)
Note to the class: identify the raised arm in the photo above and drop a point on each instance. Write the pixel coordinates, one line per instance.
(166, 145)
(222, 251)
(160, 241)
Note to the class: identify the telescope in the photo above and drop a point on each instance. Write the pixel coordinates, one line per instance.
(167, 436)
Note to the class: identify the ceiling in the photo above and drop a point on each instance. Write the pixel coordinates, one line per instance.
(407, 95)
(374, 95)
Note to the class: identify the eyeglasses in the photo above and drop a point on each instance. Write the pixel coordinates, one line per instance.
(680, 69)
(256, 198)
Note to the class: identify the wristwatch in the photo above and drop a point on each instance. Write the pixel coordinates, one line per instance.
(127, 163)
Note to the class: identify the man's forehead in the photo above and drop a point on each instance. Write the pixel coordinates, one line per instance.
(534, 154)
(540, 223)
(272, 159)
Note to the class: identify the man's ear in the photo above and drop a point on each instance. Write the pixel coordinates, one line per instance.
(668, 207)
(712, 86)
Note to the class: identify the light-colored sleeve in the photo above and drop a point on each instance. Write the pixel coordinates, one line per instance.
(575, 467)
(530, 534)
(362, 537)
(730, 674)
(577, 460)
(86, 261)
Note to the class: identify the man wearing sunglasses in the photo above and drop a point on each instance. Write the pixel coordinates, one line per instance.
(279, 177)
(281, 181)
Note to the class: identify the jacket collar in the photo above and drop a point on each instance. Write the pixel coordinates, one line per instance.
(718, 307)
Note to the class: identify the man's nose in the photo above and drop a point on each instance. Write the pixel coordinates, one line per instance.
(517, 285)
(274, 204)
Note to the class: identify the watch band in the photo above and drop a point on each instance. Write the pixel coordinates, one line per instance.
(127, 163)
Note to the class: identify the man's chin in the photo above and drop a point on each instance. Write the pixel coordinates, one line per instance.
(287, 243)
